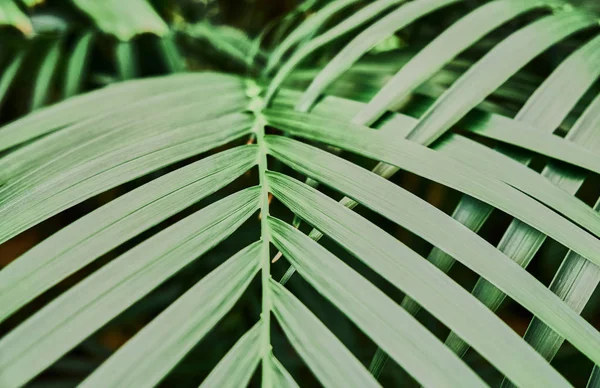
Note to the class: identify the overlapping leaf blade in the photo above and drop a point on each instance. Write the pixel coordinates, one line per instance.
(520, 241)
(576, 278)
(114, 151)
(172, 57)
(441, 50)
(43, 83)
(409, 272)
(436, 166)
(364, 15)
(494, 69)
(549, 145)
(20, 212)
(309, 27)
(8, 75)
(575, 282)
(126, 60)
(418, 216)
(365, 41)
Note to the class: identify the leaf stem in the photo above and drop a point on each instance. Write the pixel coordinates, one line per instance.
(256, 106)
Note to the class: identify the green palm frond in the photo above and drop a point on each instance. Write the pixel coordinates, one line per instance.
(110, 20)
(124, 22)
(474, 125)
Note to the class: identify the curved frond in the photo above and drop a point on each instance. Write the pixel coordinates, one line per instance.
(201, 162)
(45, 75)
(8, 76)
(361, 17)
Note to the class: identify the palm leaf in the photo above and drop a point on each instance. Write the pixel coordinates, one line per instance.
(125, 59)
(379, 251)
(520, 241)
(435, 166)
(97, 174)
(98, 103)
(359, 18)
(517, 138)
(171, 54)
(594, 381)
(124, 22)
(60, 156)
(577, 278)
(138, 18)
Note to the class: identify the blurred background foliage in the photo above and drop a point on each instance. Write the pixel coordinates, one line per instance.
(41, 40)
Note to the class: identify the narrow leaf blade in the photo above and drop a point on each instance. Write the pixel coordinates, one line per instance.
(494, 69)
(155, 350)
(79, 312)
(365, 41)
(76, 67)
(326, 356)
(97, 233)
(458, 37)
(236, 368)
(417, 215)
(411, 345)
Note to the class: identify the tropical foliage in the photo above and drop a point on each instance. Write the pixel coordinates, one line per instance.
(330, 103)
